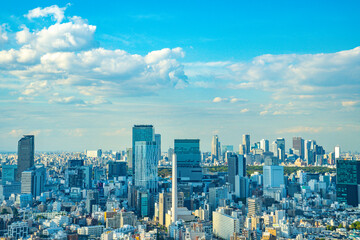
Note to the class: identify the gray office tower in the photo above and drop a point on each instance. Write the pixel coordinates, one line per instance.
(33, 180)
(246, 142)
(140, 133)
(236, 167)
(298, 145)
(188, 159)
(25, 155)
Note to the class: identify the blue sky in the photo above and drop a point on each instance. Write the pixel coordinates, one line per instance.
(79, 74)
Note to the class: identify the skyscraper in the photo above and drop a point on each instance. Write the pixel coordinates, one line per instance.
(158, 146)
(298, 145)
(273, 179)
(33, 181)
(348, 181)
(188, 159)
(246, 142)
(337, 152)
(146, 165)
(215, 147)
(25, 154)
(236, 167)
(280, 142)
(242, 149)
(264, 145)
(140, 133)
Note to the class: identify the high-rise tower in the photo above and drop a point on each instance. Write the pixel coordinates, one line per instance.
(298, 145)
(25, 154)
(246, 142)
(174, 189)
(140, 133)
(215, 147)
(188, 159)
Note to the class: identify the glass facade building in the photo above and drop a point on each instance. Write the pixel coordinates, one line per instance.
(188, 159)
(25, 154)
(348, 181)
(141, 133)
(146, 165)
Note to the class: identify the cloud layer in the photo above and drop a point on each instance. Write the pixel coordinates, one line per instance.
(64, 59)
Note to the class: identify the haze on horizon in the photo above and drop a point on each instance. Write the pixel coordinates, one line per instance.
(79, 75)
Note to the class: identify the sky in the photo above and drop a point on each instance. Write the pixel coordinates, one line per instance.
(80, 74)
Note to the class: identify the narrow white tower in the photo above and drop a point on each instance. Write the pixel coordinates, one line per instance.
(174, 189)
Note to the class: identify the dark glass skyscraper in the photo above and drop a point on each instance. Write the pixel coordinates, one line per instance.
(348, 181)
(26, 151)
(188, 159)
(236, 167)
(141, 133)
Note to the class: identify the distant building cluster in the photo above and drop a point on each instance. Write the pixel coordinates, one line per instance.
(260, 191)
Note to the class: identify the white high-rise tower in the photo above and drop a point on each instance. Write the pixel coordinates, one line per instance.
(174, 190)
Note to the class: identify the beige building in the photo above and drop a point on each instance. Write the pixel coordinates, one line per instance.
(165, 204)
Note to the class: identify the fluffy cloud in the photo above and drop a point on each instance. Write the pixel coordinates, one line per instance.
(65, 57)
(23, 36)
(286, 76)
(3, 34)
(54, 11)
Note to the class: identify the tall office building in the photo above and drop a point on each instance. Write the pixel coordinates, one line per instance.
(337, 152)
(280, 143)
(33, 181)
(146, 165)
(254, 206)
(116, 169)
(298, 145)
(246, 142)
(273, 179)
(9, 173)
(236, 167)
(264, 145)
(242, 149)
(216, 194)
(215, 147)
(26, 151)
(348, 181)
(129, 158)
(144, 133)
(158, 146)
(188, 159)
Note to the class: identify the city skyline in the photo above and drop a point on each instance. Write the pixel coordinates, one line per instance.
(77, 82)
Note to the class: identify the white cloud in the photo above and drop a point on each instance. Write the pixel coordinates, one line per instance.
(54, 11)
(68, 100)
(349, 103)
(16, 132)
(23, 36)
(299, 76)
(217, 99)
(66, 57)
(229, 100)
(70, 36)
(244, 110)
(36, 88)
(3, 34)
